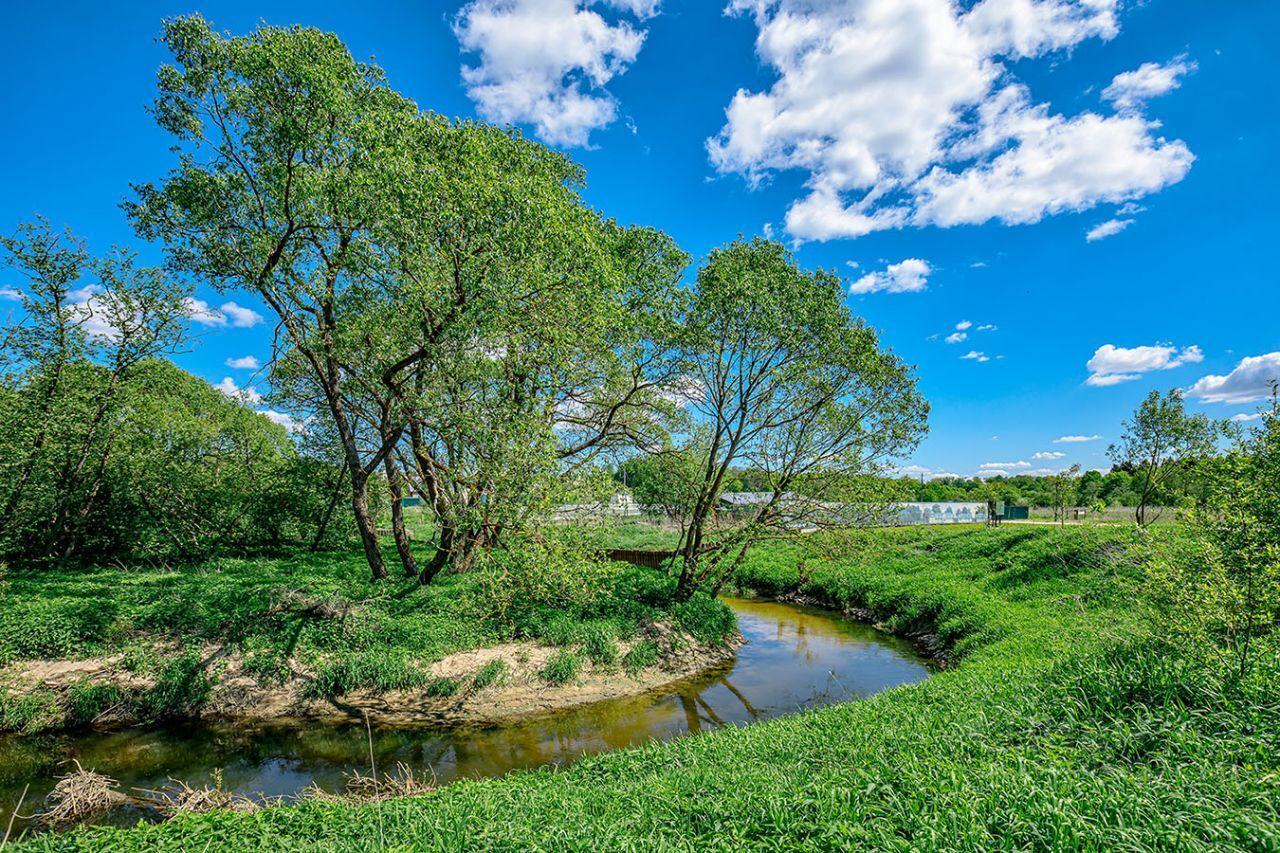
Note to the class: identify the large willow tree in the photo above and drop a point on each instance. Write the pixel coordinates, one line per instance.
(783, 379)
(470, 326)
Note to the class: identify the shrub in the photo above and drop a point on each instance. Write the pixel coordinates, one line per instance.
(491, 673)
(642, 655)
(379, 671)
(86, 700)
(706, 619)
(182, 686)
(441, 687)
(562, 668)
(29, 713)
(598, 643)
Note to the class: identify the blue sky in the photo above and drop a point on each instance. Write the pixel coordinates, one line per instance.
(958, 154)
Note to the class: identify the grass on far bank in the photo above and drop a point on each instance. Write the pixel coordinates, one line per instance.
(317, 611)
(1065, 724)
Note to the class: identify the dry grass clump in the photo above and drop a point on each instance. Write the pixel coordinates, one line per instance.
(178, 796)
(359, 788)
(81, 795)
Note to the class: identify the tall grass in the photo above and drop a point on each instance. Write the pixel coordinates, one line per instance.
(1065, 723)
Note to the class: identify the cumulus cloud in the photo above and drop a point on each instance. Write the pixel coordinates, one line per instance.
(1103, 230)
(284, 419)
(1251, 380)
(908, 276)
(1246, 416)
(1132, 89)
(962, 325)
(1018, 464)
(919, 472)
(10, 293)
(202, 312)
(987, 327)
(249, 396)
(975, 355)
(247, 362)
(241, 317)
(902, 112)
(1111, 365)
(199, 311)
(956, 337)
(546, 62)
(1076, 439)
(1048, 454)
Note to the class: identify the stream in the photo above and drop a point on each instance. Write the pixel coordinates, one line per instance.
(795, 658)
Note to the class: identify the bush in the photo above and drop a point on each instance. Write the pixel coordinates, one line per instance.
(86, 701)
(29, 713)
(706, 619)
(380, 671)
(642, 655)
(441, 687)
(181, 688)
(598, 643)
(563, 667)
(490, 673)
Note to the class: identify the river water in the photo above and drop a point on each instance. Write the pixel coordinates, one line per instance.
(795, 658)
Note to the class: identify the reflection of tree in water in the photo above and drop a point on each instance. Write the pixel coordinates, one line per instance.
(754, 712)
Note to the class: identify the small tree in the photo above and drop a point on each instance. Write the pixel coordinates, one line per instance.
(1226, 587)
(1159, 443)
(1062, 492)
(788, 383)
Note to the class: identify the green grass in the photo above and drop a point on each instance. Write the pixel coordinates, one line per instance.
(370, 636)
(563, 667)
(642, 655)
(1065, 724)
(492, 672)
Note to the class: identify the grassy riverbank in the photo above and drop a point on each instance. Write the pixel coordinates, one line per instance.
(1063, 724)
(158, 639)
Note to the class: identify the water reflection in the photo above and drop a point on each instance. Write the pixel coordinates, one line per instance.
(795, 658)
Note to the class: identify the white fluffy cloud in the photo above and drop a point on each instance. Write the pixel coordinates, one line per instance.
(249, 396)
(203, 313)
(956, 337)
(1251, 380)
(1048, 454)
(920, 472)
(1244, 417)
(975, 355)
(241, 317)
(199, 311)
(1132, 89)
(284, 419)
(247, 362)
(1076, 439)
(1111, 365)
(546, 62)
(908, 276)
(10, 293)
(1103, 230)
(901, 112)
(963, 324)
(1006, 465)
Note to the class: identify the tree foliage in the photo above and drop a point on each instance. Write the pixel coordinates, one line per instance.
(784, 379)
(1160, 442)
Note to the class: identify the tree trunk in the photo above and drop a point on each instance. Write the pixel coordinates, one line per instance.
(444, 546)
(323, 526)
(397, 519)
(364, 523)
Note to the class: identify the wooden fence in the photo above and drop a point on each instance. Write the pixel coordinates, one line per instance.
(638, 557)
